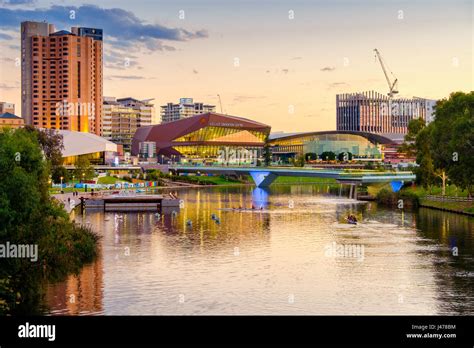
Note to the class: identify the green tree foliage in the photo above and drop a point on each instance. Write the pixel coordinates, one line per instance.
(328, 156)
(51, 143)
(58, 172)
(28, 215)
(414, 127)
(311, 156)
(444, 149)
(267, 153)
(299, 161)
(453, 139)
(83, 166)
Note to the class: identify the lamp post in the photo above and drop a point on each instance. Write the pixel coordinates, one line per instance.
(62, 184)
(83, 174)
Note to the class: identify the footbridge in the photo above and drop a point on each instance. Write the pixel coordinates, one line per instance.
(265, 176)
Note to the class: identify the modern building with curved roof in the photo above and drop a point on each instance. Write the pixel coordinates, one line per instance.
(362, 145)
(202, 137)
(80, 144)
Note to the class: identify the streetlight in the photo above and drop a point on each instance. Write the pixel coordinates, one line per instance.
(83, 174)
(62, 184)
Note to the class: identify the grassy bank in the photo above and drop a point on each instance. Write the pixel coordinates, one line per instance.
(460, 207)
(418, 196)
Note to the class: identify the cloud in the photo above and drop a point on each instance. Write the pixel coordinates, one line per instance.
(245, 98)
(5, 36)
(123, 27)
(18, 2)
(336, 84)
(5, 86)
(285, 71)
(195, 71)
(120, 60)
(296, 58)
(126, 77)
(328, 68)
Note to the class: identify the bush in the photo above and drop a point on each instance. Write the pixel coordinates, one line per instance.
(127, 178)
(390, 198)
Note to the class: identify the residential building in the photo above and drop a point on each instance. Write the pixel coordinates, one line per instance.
(61, 77)
(377, 113)
(7, 107)
(8, 119)
(185, 108)
(122, 117)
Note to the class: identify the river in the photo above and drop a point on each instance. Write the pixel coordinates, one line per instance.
(296, 256)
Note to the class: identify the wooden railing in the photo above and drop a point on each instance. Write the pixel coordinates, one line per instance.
(449, 198)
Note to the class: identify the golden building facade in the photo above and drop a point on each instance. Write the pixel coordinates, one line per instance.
(62, 77)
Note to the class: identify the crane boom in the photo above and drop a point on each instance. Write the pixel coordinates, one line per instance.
(392, 86)
(220, 102)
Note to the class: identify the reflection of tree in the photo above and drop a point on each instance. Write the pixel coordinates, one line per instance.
(455, 273)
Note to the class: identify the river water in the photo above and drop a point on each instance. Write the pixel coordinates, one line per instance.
(295, 256)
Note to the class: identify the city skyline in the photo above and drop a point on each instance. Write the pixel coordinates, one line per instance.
(283, 67)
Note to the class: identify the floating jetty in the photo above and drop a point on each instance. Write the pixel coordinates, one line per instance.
(132, 203)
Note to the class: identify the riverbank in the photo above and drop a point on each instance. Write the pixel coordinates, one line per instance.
(454, 201)
(466, 208)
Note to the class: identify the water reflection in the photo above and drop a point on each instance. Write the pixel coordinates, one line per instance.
(274, 260)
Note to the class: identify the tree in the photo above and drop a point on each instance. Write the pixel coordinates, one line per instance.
(418, 143)
(311, 156)
(28, 215)
(58, 172)
(453, 139)
(414, 127)
(328, 156)
(298, 161)
(83, 166)
(51, 143)
(267, 153)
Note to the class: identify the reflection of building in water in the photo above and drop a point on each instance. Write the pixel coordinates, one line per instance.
(79, 294)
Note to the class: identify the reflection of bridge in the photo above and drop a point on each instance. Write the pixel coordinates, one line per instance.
(265, 176)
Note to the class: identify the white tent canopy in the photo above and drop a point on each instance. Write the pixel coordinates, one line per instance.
(79, 143)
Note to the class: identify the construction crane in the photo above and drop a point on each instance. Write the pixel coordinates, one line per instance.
(393, 87)
(220, 102)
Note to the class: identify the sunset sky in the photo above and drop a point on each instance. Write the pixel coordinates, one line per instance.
(285, 62)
